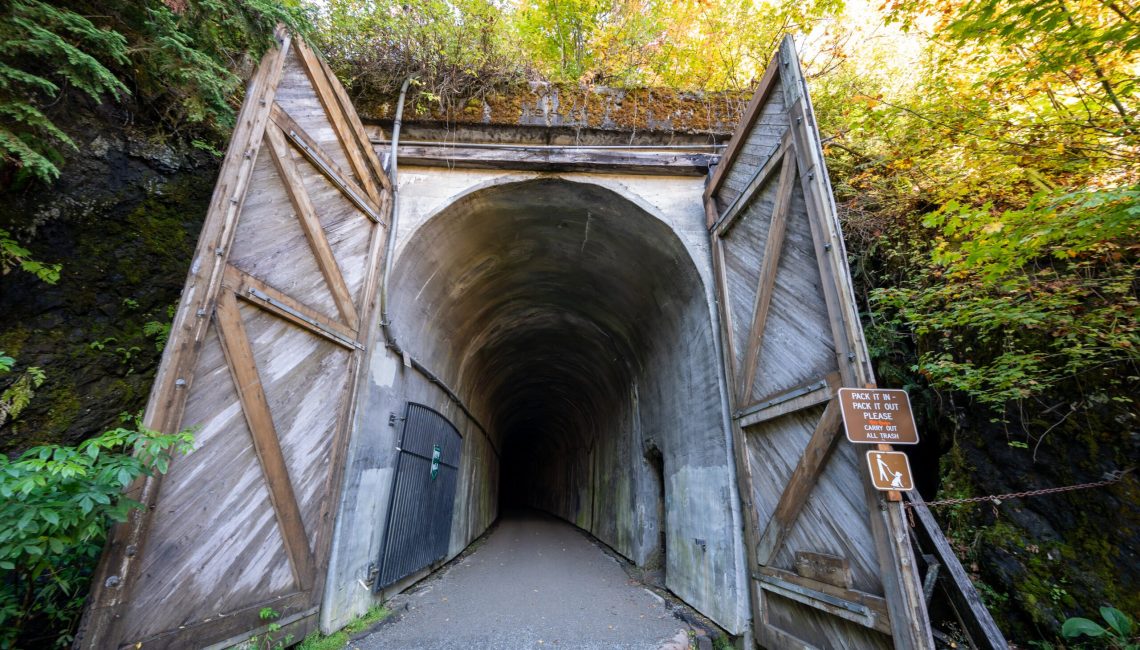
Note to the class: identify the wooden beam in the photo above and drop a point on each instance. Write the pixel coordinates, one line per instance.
(733, 212)
(976, 617)
(869, 610)
(248, 287)
(766, 283)
(225, 629)
(363, 141)
(743, 468)
(172, 382)
(324, 163)
(751, 114)
(255, 407)
(554, 159)
(806, 395)
(307, 215)
(777, 639)
(803, 479)
(338, 117)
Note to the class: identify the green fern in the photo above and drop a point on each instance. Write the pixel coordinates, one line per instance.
(44, 48)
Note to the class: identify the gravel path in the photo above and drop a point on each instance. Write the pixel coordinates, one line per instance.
(536, 582)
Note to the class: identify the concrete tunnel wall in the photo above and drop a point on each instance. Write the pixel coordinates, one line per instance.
(573, 314)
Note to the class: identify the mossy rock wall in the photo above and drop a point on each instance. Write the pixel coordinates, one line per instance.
(123, 221)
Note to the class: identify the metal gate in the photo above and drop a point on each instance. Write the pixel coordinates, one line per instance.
(423, 495)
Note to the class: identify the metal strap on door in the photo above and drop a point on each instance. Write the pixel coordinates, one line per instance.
(418, 530)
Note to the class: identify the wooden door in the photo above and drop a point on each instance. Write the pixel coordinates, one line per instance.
(261, 364)
(829, 558)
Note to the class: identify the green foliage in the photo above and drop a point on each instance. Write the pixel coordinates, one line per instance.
(57, 503)
(455, 48)
(16, 396)
(1119, 633)
(180, 60)
(339, 639)
(12, 256)
(461, 49)
(42, 49)
(1010, 304)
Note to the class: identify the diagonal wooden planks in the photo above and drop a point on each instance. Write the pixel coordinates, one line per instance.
(255, 407)
(340, 122)
(767, 282)
(307, 215)
(309, 147)
(804, 477)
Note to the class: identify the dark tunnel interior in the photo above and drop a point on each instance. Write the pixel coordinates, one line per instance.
(575, 326)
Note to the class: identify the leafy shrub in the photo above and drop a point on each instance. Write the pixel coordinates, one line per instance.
(57, 502)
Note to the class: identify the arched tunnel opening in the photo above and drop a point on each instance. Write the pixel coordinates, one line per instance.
(576, 327)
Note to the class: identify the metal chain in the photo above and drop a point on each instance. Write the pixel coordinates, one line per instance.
(996, 499)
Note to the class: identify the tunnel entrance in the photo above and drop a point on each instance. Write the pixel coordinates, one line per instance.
(578, 330)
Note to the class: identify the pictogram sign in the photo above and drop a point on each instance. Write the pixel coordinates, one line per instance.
(890, 470)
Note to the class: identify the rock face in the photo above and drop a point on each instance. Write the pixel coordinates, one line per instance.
(1045, 557)
(122, 220)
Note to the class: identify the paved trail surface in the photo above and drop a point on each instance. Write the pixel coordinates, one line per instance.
(536, 582)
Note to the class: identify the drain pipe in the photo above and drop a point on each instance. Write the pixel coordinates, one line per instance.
(385, 322)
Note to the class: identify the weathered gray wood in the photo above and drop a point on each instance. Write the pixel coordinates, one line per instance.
(823, 625)
(198, 564)
(362, 141)
(668, 163)
(974, 614)
(312, 150)
(797, 343)
(766, 284)
(805, 591)
(113, 582)
(801, 482)
(242, 283)
(337, 118)
(805, 395)
(246, 520)
(829, 569)
(835, 520)
(311, 226)
(255, 407)
(739, 444)
(732, 212)
(743, 132)
(304, 379)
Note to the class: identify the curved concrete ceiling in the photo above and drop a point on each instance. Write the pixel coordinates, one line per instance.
(542, 300)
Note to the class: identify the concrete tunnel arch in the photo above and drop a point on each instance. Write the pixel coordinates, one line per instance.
(576, 326)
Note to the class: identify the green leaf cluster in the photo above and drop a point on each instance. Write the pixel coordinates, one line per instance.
(1119, 634)
(55, 504)
(42, 49)
(180, 61)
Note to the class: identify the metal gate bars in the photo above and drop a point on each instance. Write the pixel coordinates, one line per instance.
(423, 495)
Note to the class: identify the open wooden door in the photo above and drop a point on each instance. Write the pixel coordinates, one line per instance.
(829, 557)
(261, 363)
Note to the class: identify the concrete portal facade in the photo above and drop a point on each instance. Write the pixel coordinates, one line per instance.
(573, 314)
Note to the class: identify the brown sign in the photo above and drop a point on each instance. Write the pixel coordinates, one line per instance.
(878, 415)
(890, 470)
